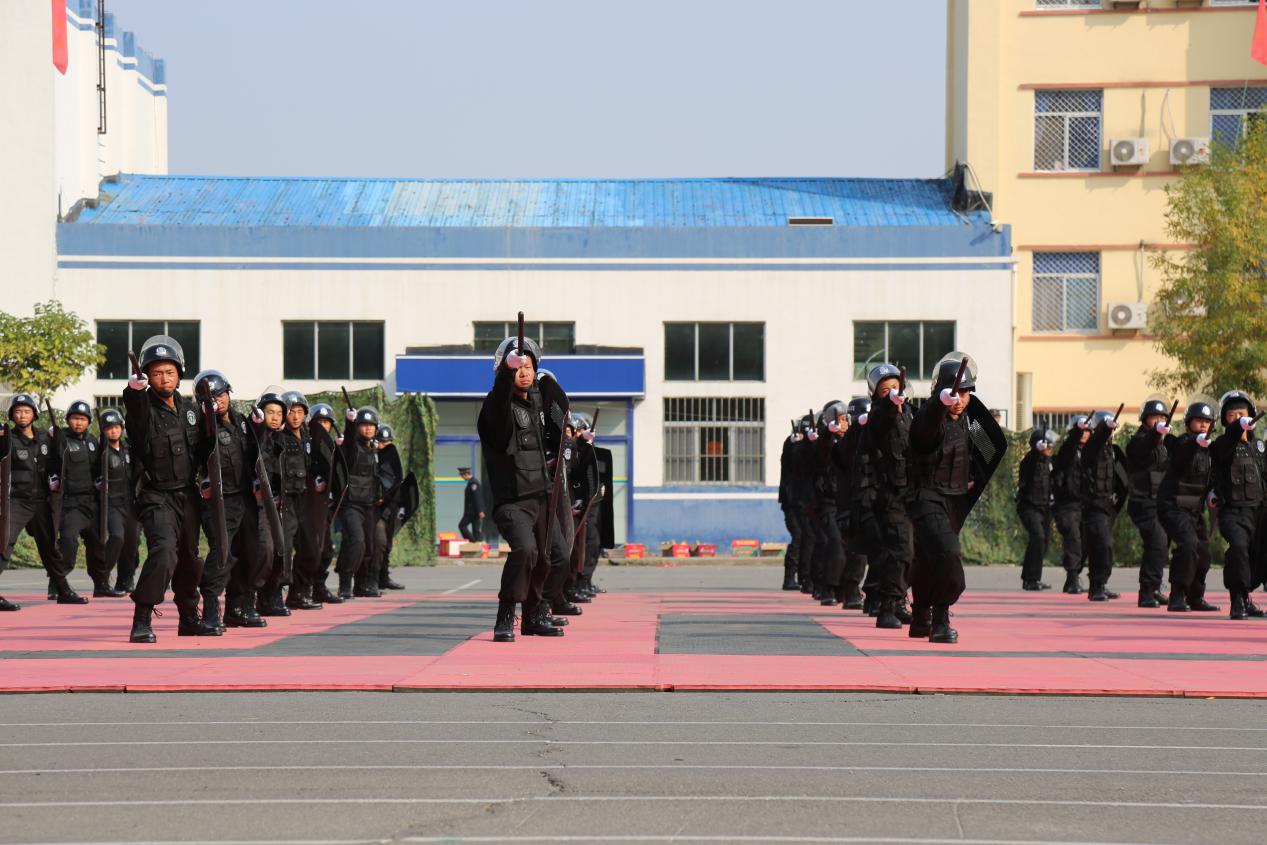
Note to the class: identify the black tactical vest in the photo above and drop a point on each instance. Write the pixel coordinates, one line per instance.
(29, 459)
(1191, 488)
(118, 467)
(292, 465)
(1097, 479)
(1145, 478)
(170, 441)
(948, 469)
(1066, 483)
(527, 447)
(79, 460)
(233, 444)
(362, 474)
(1037, 491)
(1245, 478)
(890, 455)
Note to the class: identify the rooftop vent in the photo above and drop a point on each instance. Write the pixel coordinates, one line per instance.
(811, 221)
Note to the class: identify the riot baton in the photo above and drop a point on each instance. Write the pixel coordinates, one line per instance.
(59, 445)
(519, 350)
(103, 495)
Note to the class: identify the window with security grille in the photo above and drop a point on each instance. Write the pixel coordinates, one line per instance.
(917, 345)
(332, 350)
(1232, 110)
(120, 337)
(714, 441)
(554, 338)
(1057, 421)
(714, 351)
(1067, 130)
(1066, 292)
(1069, 4)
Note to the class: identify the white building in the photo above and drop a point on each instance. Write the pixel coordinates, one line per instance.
(700, 315)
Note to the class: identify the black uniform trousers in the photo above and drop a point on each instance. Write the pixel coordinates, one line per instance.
(122, 543)
(937, 578)
(355, 531)
(378, 560)
(1237, 524)
(560, 557)
(1190, 562)
(830, 555)
(171, 521)
(220, 562)
(1037, 524)
(1097, 522)
(807, 544)
(79, 521)
(896, 545)
(470, 528)
(1156, 544)
(793, 526)
(520, 522)
(252, 554)
(315, 549)
(291, 512)
(593, 541)
(1069, 523)
(864, 543)
(35, 516)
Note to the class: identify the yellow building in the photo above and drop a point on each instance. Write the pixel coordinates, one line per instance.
(1073, 116)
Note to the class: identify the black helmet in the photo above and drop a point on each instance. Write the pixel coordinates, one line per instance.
(581, 421)
(1198, 411)
(1077, 421)
(293, 398)
(879, 373)
(832, 411)
(807, 422)
(948, 367)
(504, 348)
(110, 417)
(211, 383)
(384, 433)
(858, 406)
(271, 397)
(366, 415)
(321, 411)
(160, 347)
(1152, 407)
(79, 407)
(1041, 435)
(1234, 399)
(1099, 418)
(27, 400)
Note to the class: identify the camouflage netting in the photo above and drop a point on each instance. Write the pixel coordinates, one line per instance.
(413, 421)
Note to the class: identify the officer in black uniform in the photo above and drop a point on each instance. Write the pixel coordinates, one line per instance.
(947, 473)
(391, 472)
(123, 531)
(843, 455)
(864, 532)
(1033, 506)
(1237, 458)
(886, 437)
(1146, 461)
(165, 431)
(833, 422)
(294, 450)
(268, 422)
(1181, 502)
(512, 434)
(471, 526)
(802, 491)
(791, 505)
(80, 517)
(316, 547)
(357, 491)
(35, 469)
(587, 498)
(1101, 500)
(1066, 488)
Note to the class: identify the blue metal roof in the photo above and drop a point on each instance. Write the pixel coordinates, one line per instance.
(196, 201)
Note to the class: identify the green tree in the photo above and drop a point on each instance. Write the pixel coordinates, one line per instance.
(1210, 316)
(46, 351)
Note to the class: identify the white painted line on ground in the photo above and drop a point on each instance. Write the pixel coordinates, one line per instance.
(461, 588)
(539, 722)
(828, 840)
(667, 742)
(643, 799)
(563, 767)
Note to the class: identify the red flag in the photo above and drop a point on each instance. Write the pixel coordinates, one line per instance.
(60, 53)
(1258, 52)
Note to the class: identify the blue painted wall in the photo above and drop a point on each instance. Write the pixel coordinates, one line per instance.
(706, 520)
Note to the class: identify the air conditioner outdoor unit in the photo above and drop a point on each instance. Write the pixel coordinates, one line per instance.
(1190, 151)
(1128, 315)
(1128, 152)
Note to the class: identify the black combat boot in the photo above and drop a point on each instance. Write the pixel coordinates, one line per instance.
(577, 597)
(1178, 602)
(385, 581)
(1148, 598)
(345, 586)
(941, 630)
(902, 612)
(142, 632)
(1252, 610)
(921, 622)
(233, 615)
(1161, 597)
(869, 603)
(828, 597)
(103, 590)
(299, 599)
(322, 594)
(253, 618)
(789, 577)
(853, 600)
(504, 627)
(6, 605)
(1198, 603)
(365, 589)
(1097, 593)
(564, 608)
(211, 612)
(269, 603)
(192, 625)
(533, 624)
(807, 586)
(125, 584)
(887, 617)
(1238, 607)
(52, 589)
(1072, 586)
(66, 595)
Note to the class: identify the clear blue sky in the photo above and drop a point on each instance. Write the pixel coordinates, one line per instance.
(550, 88)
